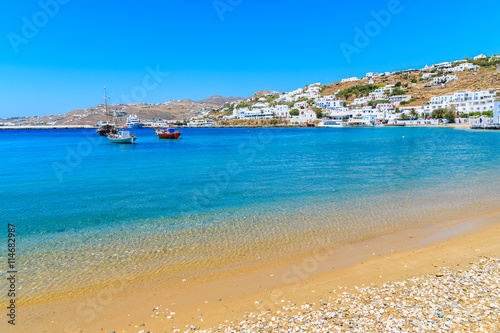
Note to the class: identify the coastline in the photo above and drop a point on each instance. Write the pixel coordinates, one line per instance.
(230, 126)
(390, 257)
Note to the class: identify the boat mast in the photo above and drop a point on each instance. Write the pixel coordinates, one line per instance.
(106, 104)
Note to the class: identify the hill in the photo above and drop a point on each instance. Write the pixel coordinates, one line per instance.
(219, 100)
(482, 79)
(171, 110)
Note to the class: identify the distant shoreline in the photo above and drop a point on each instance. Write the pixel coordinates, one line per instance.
(231, 126)
(47, 127)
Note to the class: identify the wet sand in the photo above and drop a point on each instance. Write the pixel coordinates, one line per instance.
(392, 257)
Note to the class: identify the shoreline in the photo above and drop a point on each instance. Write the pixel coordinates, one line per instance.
(263, 289)
(5, 128)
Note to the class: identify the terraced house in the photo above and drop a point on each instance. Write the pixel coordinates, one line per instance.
(464, 101)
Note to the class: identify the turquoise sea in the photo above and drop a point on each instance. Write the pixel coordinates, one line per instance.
(223, 199)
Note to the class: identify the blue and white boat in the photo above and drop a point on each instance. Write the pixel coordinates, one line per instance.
(122, 137)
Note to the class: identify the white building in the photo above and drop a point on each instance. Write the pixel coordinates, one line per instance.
(328, 101)
(399, 98)
(254, 113)
(350, 79)
(305, 116)
(371, 75)
(464, 67)
(443, 65)
(428, 75)
(260, 105)
(282, 111)
(496, 113)
(444, 79)
(464, 101)
(481, 56)
(386, 106)
(361, 100)
(313, 88)
(381, 93)
(333, 111)
(409, 109)
(301, 105)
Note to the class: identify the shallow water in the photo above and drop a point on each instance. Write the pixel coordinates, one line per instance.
(88, 212)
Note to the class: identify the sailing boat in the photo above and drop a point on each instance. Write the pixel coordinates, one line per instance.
(106, 127)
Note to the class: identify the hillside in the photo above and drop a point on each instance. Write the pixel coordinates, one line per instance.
(477, 80)
(171, 110)
(410, 82)
(219, 100)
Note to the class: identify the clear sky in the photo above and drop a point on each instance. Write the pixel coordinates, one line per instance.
(56, 58)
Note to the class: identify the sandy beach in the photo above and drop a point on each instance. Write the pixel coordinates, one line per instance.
(313, 279)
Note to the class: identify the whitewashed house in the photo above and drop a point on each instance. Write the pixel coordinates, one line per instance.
(409, 109)
(399, 98)
(371, 75)
(328, 101)
(350, 79)
(300, 105)
(307, 115)
(464, 67)
(464, 101)
(333, 111)
(361, 100)
(313, 89)
(443, 65)
(381, 93)
(428, 75)
(444, 79)
(282, 111)
(481, 56)
(260, 105)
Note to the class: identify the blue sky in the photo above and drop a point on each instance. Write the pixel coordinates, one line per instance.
(226, 47)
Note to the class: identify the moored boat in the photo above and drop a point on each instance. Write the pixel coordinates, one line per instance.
(133, 122)
(122, 137)
(169, 133)
(104, 128)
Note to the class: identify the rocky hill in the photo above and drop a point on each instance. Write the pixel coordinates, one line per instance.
(219, 100)
(422, 91)
(171, 110)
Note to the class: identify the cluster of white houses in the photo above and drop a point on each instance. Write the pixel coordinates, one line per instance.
(381, 105)
(455, 66)
(464, 101)
(384, 110)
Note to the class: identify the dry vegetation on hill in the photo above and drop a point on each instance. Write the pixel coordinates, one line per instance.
(479, 80)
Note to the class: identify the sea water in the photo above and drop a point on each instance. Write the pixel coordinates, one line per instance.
(88, 212)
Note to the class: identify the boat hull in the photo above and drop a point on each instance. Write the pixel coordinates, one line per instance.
(106, 130)
(133, 126)
(166, 135)
(128, 140)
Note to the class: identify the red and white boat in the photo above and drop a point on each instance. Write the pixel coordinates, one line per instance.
(169, 133)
